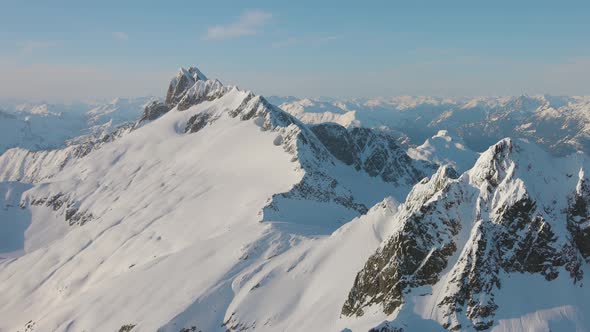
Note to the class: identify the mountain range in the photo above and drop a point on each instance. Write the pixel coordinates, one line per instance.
(43, 126)
(561, 125)
(216, 209)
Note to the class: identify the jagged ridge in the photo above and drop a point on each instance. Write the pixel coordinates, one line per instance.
(499, 217)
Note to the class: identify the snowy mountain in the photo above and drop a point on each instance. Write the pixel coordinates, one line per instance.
(41, 126)
(559, 124)
(166, 224)
(314, 111)
(215, 210)
(503, 247)
(444, 149)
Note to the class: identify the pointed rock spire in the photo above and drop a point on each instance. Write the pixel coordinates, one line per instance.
(185, 79)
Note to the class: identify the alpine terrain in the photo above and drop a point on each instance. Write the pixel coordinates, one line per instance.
(213, 209)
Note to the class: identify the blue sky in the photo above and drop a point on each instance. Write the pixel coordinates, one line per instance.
(56, 50)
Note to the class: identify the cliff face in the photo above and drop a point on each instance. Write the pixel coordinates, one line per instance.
(516, 211)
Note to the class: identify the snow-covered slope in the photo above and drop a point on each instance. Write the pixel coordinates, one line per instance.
(303, 289)
(159, 227)
(443, 149)
(28, 166)
(503, 247)
(217, 211)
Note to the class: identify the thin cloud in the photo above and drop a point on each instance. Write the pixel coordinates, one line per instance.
(31, 46)
(120, 36)
(249, 23)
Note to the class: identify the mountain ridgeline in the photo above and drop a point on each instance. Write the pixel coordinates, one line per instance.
(215, 210)
(560, 124)
(516, 211)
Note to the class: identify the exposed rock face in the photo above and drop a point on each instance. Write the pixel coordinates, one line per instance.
(364, 150)
(370, 150)
(578, 216)
(197, 122)
(183, 92)
(315, 149)
(338, 141)
(61, 203)
(498, 218)
(153, 110)
(199, 92)
(179, 85)
(519, 240)
(559, 124)
(386, 328)
(414, 255)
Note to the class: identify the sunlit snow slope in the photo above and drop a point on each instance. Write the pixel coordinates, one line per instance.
(163, 226)
(218, 211)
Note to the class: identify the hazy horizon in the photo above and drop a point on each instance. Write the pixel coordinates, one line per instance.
(4, 102)
(71, 51)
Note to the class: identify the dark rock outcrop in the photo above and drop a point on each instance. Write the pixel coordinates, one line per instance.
(73, 215)
(512, 230)
(414, 255)
(179, 85)
(578, 218)
(153, 110)
(372, 151)
(197, 122)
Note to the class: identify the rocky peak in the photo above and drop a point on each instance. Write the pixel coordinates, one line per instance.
(427, 188)
(413, 256)
(492, 221)
(492, 165)
(195, 73)
(201, 91)
(180, 84)
(578, 215)
(152, 111)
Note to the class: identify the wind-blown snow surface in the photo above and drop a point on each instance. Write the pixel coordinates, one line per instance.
(172, 223)
(172, 213)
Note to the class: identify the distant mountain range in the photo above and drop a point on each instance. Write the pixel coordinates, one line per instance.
(42, 126)
(216, 209)
(559, 124)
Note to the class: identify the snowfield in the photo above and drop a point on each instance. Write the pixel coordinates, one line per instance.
(160, 202)
(161, 216)
(217, 211)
